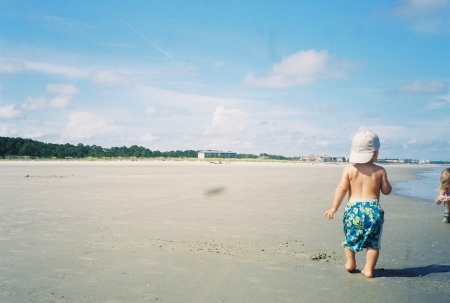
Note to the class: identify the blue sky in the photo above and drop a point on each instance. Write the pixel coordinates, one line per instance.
(279, 77)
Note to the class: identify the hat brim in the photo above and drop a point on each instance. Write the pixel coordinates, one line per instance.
(360, 157)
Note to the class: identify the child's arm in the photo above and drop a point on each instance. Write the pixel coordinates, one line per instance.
(441, 196)
(386, 187)
(339, 194)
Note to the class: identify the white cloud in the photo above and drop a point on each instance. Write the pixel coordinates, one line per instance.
(7, 67)
(60, 102)
(303, 68)
(150, 111)
(86, 125)
(445, 98)
(60, 70)
(9, 112)
(8, 132)
(107, 77)
(420, 140)
(425, 16)
(423, 131)
(322, 143)
(422, 87)
(64, 95)
(386, 132)
(226, 122)
(180, 100)
(163, 112)
(147, 138)
(440, 102)
(16, 66)
(33, 104)
(298, 138)
(62, 89)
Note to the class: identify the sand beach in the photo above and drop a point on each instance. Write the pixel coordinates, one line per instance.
(161, 231)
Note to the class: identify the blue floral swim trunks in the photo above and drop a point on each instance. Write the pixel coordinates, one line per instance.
(363, 224)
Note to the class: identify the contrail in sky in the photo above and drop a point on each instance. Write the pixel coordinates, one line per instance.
(145, 38)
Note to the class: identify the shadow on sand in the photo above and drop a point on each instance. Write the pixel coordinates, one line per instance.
(412, 271)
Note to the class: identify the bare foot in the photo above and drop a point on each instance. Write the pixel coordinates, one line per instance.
(350, 266)
(367, 273)
(371, 260)
(350, 261)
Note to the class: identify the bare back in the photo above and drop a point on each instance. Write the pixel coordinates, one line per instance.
(366, 181)
(360, 181)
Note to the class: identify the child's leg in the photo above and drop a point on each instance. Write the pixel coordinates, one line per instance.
(371, 260)
(446, 215)
(350, 263)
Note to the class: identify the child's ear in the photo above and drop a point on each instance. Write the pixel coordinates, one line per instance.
(375, 156)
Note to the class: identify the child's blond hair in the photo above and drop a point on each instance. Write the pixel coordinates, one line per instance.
(445, 179)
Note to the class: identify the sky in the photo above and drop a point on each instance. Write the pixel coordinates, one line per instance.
(287, 78)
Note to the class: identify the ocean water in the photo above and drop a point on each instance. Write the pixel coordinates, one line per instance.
(425, 188)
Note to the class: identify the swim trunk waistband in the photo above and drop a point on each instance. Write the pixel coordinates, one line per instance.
(364, 201)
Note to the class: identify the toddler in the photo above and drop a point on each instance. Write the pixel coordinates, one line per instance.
(444, 193)
(363, 216)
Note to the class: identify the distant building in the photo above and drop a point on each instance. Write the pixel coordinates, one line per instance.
(323, 158)
(394, 160)
(335, 159)
(313, 158)
(307, 158)
(400, 161)
(216, 154)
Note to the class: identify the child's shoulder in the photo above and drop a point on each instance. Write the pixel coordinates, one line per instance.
(349, 170)
(378, 167)
(349, 167)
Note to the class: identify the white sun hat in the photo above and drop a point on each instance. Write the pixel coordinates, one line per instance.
(364, 144)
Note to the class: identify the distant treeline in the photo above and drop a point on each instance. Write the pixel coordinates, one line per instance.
(439, 162)
(276, 157)
(13, 147)
(19, 147)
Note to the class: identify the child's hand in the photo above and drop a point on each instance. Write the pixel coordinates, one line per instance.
(329, 213)
(442, 198)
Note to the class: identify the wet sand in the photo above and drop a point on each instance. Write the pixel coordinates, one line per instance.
(202, 232)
